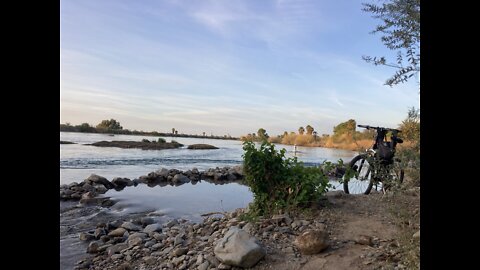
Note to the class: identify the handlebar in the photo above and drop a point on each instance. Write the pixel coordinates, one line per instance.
(378, 128)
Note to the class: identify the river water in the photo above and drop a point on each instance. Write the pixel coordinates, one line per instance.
(78, 161)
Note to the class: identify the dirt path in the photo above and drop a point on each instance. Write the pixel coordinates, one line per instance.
(388, 220)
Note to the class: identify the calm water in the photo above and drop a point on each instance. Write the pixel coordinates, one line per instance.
(78, 161)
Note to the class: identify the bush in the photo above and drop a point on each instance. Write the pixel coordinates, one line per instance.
(280, 183)
(161, 140)
(145, 141)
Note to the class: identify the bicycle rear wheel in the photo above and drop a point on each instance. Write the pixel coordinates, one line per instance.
(361, 181)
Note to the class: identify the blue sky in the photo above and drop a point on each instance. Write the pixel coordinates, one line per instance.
(225, 67)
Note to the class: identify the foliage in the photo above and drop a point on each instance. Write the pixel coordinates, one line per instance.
(161, 140)
(280, 183)
(309, 130)
(347, 127)
(262, 134)
(109, 125)
(145, 141)
(410, 127)
(301, 130)
(401, 32)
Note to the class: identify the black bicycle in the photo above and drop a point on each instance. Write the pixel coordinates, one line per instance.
(377, 167)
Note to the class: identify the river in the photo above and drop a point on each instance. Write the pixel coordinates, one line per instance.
(78, 161)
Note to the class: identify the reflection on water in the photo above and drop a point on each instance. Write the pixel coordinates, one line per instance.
(185, 201)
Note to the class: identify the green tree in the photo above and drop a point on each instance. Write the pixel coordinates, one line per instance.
(410, 127)
(347, 127)
(301, 130)
(262, 134)
(401, 32)
(309, 130)
(173, 130)
(85, 127)
(109, 125)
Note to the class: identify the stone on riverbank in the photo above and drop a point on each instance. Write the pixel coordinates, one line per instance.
(238, 248)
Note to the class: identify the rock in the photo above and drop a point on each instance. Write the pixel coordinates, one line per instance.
(116, 257)
(238, 248)
(178, 240)
(86, 237)
(171, 223)
(180, 179)
(153, 228)
(159, 237)
(125, 266)
(93, 247)
(135, 241)
(150, 243)
(248, 228)
(157, 246)
(117, 232)
(180, 251)
(178, 260)
(199, 259)
(212, 260)
(364, 240)
(137, 234)
(122, 182)
(130, 226)
(223, 266)
(146, 221)
(116, 249)
(312, 242)
(203, 266)
(99, 232)
(96, 179)
(416, 235)
(149, 260)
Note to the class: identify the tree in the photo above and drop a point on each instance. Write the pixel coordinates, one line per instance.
(173, 130)
(204, 134)
(109, 125)
(85, 127)
(309, 130)
(347, 127)
(401, 32)
(410, 127)
(262, 134)
(301, 130)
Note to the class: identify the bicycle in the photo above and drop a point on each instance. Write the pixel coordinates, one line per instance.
(376, 166)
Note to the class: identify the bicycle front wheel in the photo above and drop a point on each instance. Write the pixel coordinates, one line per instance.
(361, 181)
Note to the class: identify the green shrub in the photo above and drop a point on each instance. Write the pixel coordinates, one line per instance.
(145, 141)
(280, 183)
(161, 140)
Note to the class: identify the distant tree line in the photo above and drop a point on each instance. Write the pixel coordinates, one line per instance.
(345, 135)
(112, 126)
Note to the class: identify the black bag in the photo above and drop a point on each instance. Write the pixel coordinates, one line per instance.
(384, 151)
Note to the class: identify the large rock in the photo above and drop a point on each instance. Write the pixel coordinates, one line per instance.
(96, 179)
(238, 248)
(180, 179)
(153, 228)
(312, 241)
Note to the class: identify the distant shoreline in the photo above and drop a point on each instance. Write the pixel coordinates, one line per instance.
(157, 134)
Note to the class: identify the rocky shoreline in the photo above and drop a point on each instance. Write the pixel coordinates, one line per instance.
(224, 241)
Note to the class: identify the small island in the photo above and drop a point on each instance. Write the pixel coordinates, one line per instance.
(144, 144)
(66, 142)
(201, 146)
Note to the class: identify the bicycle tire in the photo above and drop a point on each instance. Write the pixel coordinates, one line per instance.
(360, 184)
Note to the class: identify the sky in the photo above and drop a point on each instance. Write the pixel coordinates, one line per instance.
(225, 67)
